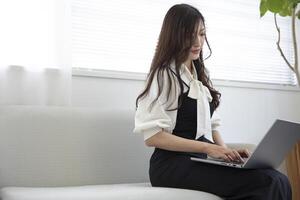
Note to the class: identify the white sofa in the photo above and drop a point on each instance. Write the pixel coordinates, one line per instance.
(64, 153)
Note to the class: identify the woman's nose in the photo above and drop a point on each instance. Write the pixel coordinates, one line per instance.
(198, 41)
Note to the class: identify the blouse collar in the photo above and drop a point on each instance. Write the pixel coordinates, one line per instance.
(197, 89)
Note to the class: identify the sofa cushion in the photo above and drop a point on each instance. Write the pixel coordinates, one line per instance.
(136, 191)
(70, 146)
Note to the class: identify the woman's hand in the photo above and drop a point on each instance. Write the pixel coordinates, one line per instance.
(244, 153)
(225, 153)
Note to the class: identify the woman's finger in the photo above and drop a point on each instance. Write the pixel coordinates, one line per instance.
(230, 158)
(244, 152)
(247, 152)
(238, 156)
(233, 154)
(226, 158)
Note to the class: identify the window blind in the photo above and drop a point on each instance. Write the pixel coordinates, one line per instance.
(122, 35)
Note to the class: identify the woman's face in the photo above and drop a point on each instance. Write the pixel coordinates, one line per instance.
(199, 38)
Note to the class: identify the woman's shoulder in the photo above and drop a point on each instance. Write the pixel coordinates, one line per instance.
(163, 75)
(164, 81)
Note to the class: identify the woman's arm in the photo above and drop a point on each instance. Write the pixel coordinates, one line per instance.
(167, 141)
(218, 139)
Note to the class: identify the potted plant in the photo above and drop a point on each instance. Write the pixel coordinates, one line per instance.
(284, 8)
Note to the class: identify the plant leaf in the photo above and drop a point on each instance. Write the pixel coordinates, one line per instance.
(298, 14)
(263, 8)
(275, 6)
(286, 9)
(293, 1)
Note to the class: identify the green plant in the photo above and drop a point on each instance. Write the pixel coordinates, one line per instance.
(285, 8)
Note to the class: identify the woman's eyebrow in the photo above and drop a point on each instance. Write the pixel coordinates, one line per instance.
(201, 30)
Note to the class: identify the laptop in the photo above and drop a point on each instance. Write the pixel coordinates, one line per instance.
(270, 151)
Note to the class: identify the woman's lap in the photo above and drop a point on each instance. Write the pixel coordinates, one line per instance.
(227, 182)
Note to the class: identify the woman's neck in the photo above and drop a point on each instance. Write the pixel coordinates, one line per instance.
(188, 64)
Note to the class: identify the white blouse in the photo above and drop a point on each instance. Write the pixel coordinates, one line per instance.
(151, 121)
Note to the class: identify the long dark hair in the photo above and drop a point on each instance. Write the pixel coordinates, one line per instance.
(175, 40)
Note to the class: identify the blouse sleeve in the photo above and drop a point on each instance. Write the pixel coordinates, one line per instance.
(150, 121)
(215, 121)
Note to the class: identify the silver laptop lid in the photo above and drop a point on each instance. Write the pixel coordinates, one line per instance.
(275, 145)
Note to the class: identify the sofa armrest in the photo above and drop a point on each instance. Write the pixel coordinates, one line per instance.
(248, 146)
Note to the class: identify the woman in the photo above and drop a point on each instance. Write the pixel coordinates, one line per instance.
(177, 111)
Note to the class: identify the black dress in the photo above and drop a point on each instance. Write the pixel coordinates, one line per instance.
(176, 170)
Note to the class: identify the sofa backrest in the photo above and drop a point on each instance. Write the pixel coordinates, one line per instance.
(67, 146)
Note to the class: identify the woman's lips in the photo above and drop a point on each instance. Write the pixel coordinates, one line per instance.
(196, 51)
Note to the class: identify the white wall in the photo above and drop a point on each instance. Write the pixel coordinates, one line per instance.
(247, 113)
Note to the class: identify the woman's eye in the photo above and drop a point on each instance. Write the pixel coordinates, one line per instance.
(197, 35)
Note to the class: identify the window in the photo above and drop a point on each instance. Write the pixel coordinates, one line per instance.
(121, 36)
(29, 34)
